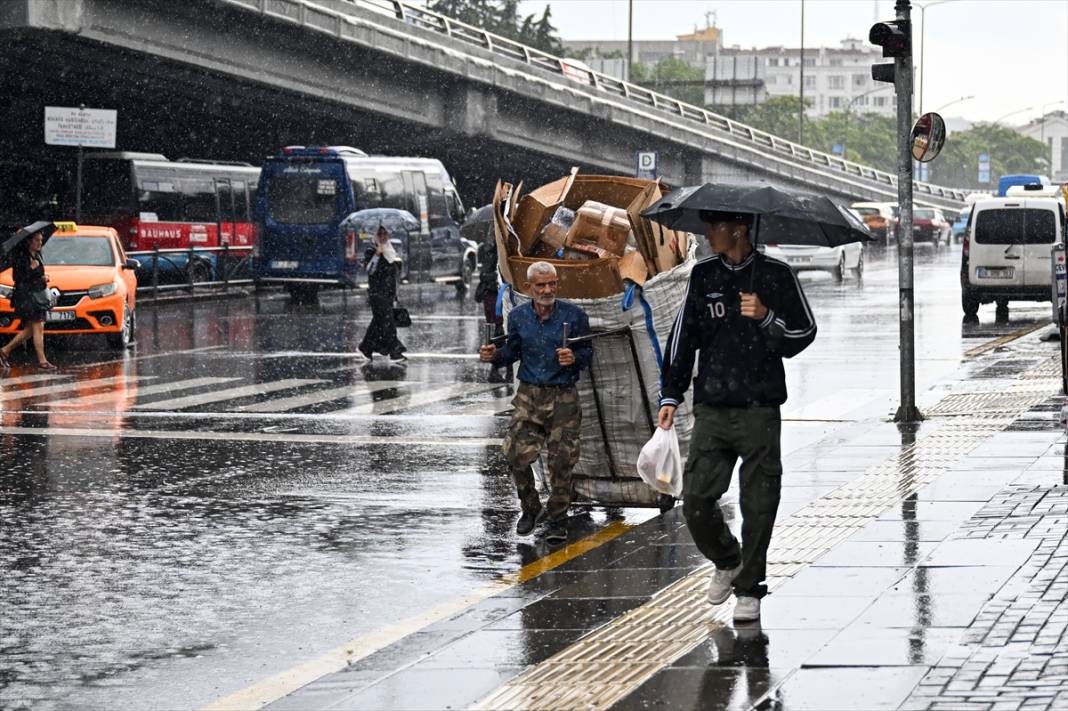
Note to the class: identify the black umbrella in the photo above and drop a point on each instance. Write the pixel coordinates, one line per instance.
(780, 216)
(24, 233)
(478, 225)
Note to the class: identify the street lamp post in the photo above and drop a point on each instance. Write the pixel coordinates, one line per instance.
(999, 119)
(801, 110)
(923, 29)
(849, 106)
(955, 101)
(630, 37)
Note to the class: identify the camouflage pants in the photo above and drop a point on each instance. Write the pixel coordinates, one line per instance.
(550, 417)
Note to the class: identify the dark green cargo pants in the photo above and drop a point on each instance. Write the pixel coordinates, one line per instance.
(722, 435)
(550, 417)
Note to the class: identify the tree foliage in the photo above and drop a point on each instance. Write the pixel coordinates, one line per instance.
(501, 17)
(871, 139)
(673, 77)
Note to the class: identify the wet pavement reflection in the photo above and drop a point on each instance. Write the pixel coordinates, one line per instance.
(247, 493)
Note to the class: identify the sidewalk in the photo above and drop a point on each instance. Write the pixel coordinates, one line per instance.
(924, 570)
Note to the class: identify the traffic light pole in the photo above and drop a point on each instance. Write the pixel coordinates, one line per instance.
(907, 412)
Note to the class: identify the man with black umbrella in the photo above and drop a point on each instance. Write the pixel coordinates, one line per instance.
(743, 312)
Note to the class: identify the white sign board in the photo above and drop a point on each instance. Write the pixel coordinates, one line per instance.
(646, 165)
(92, 128)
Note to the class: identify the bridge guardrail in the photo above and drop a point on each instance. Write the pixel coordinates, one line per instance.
(231, 260)
(417, 16)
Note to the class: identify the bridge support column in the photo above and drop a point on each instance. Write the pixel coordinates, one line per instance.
(470, 110)
(705, 168)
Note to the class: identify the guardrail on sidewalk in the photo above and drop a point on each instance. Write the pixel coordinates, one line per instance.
(425, 19)
(228, 262)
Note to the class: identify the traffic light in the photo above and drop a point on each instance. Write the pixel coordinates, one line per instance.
(895, 39)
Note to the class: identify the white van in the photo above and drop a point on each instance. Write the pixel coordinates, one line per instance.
(1006, 252)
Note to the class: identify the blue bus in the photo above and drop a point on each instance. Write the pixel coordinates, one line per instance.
(305, 192)
(1007, 181)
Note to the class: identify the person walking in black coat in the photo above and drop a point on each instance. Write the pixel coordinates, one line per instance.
(382, 263)
(743, 313)
(29, 275)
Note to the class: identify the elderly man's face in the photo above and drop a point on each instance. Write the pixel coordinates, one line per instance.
(543, 287)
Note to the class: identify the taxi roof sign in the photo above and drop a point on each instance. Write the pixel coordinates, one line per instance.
(70, 226)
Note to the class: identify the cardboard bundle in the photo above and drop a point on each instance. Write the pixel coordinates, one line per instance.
(606, 243)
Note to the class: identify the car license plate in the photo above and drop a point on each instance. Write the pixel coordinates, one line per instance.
(59, 316)
(798, 260)
(994, 272)
(284, 265)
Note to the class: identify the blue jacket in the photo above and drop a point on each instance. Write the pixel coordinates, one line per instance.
(533, 342)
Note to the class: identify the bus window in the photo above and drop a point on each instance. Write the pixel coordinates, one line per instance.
(437, 208)
(392, 190)
(160, 200)
(456, 210)
(240, 196)
(199, 207)
(366, 193)
(302, 200)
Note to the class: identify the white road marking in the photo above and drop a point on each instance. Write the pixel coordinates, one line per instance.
(252, 437)
(229, 394)
(168, 354)
(318, 396)
(149, 390)
(357, 356)
(64, 387)
(424, 398)
(23, 379)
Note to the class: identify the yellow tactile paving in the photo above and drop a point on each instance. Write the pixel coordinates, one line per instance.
(600, 669)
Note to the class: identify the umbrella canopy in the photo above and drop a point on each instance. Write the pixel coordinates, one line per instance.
(781, 216)
(370, 219)
(478, 225)
(24, 233)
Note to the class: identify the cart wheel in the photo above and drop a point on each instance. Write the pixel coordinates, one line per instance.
(666, 502)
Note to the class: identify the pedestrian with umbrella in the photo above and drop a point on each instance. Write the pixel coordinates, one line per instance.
(382, 262)
(30, 297)
(743, 313)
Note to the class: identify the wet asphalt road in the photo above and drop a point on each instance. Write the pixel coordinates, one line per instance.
(253, 495)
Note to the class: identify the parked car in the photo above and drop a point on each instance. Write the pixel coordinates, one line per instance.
(836, 260)
(92, 281)
(1006, 252)
(879, 217)
(961, 223)
(930, 225)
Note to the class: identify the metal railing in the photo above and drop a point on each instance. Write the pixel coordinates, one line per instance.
(302, 11)
(223, 273)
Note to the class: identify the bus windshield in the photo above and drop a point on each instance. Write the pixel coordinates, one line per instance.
(81, 251)
(302, 199)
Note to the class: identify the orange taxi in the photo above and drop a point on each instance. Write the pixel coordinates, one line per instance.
(92, 282)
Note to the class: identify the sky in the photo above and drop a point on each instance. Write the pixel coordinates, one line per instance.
(1008, 54)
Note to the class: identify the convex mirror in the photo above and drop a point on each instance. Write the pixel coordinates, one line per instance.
(928, 137)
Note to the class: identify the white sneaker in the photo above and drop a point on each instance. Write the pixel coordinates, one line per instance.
(747, 609)
(719, 586)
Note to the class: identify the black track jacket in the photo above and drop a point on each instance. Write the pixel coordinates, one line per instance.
(741, 359)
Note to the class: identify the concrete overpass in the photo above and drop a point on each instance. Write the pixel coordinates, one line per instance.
(235, 79)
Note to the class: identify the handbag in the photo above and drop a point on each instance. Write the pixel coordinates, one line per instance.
(401, 317)
(42, 299)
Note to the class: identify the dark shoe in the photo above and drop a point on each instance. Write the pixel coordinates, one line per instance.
(397, 358)
(369, 355)
(527, 521)
(555, 532)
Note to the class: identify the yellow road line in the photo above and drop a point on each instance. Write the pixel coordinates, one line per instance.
(275, 687)
(991, 345)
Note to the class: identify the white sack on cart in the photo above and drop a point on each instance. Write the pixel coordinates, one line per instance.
(619, 418)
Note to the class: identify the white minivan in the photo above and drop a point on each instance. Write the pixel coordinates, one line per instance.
(1006, 252)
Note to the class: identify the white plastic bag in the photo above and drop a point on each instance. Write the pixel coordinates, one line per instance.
(660, 464)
